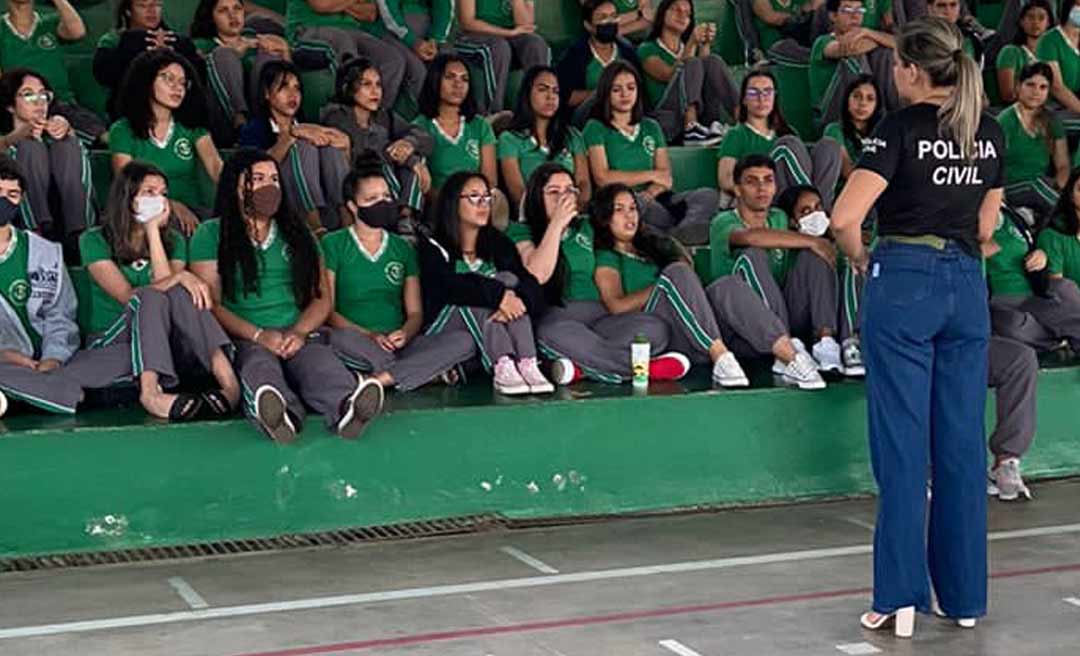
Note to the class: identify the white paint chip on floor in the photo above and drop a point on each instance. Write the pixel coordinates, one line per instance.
(858, 649)
(676, 647)
(1075, 601)
(188, 594)
(534, 563)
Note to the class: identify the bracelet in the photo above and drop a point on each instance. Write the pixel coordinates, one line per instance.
(255, 337)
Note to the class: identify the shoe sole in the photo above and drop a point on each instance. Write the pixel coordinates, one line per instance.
(732, 382)
(828, 367)
(271, 413)
(542, 389)
(561, 374)
(367, 403)
(806, 385)
(854, 372)
(3, 404)
(518, 390)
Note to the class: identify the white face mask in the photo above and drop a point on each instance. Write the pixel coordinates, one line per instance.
(147, 207)
(814, 224)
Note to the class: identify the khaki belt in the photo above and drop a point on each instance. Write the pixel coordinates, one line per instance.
(933, 241)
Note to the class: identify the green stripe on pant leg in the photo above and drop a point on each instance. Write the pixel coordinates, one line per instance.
(37, 402)
(477, 335)
(220, 92)
(851, 299)
(744, 268)
(686, 316)
(1045, 191)
(783, 154)
(484, 53)
(136, 338)
(654, 298)
(595, 374)
(437, 326)
(301, 180)
(87, 182)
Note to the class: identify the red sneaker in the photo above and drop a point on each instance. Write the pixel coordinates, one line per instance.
(565, 371)
(669, 366)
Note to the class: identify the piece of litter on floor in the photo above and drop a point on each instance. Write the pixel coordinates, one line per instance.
(676, 647)
(1075, 601)
(858, 648)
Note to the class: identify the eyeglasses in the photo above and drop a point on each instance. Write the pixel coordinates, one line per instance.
(36, 97)
(555, 191)
(759, 94)
(173, 80)
(478, 200)
(853, 10)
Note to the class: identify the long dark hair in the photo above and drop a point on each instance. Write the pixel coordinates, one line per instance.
(661, 250)
(124, 8)
(448, 219)
(202, 23)
(1063, 12)
(137, 91)
(1064, 219)
(10, 82)
(235, 249)
(789, 197)
(661, 16)
(1043, 117)
(272, 77)
(430, 93)
(524, 122)
(776, 117)
(348, 79)
(1020, 39)
(847, 122)
(118, 220)
(537, 220)
(602, 111)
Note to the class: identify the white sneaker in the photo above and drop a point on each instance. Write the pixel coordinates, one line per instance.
(799, 346)
(507, 379)
(1006, 480)
(272, 415)
(3, 404)
(530, 371)
(564, 371)
(803, 373)
(827, 354)
(719, 129)
(851, 354)
(726, 372)
(360, 407)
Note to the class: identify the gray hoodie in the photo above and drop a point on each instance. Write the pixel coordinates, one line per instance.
(52, 305)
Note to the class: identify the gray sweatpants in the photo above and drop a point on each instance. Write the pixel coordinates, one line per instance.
(390, 60)
(599, 342)
(61, 165)
(422, 359)
(1041, 195)
(851, 289)
(798, 165)
(494, 55)
(1013, 373)
(54, 391)
(807, 303)
(1040, 322)
(701, 206)
(314, 376)
(313, 176)
(702, 82)
(234, 89)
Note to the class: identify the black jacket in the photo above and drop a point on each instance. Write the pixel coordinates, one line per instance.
(443, 286)
(571, 68)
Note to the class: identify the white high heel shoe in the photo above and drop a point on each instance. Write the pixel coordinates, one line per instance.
(962, 622)
(903, 621)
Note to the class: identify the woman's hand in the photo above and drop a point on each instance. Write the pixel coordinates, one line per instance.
(291, 344)
(398, 338)
(199, 290)
(399, 151)
(1035, 260)
(47, 365)
(511, 306)
(271, 340)
(13, 357)
(312, 134)
(565, 211)
(57, 127)
(185, 218)
(824, 249)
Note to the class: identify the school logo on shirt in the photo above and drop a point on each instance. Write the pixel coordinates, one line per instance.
(19, 291)
(183, 148)
(649, 144)
(139, 265)
(472, 148)
(286, 252)
(584, 241)
(395, 273)
(46, 42)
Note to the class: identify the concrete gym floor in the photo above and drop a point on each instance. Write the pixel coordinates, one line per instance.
(783, 580)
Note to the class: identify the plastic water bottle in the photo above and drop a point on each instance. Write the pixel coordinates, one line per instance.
(639, 361)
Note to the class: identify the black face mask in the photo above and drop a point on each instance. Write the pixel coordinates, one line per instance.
(606, 32)
(8, 211)
(383, 214)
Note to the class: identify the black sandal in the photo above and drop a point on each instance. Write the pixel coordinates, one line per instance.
(215, 405)
(186, 407)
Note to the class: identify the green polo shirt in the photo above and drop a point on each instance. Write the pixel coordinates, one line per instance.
(767, 34)
(654, 87)
(576, 248)
(823, 70)
(461, 153)
(876, 10)
(177, 157)
(15, 284)
(635, 272)
(478, 266)
(723, 255)
(497, 12)
(1062, 253)
(836, 132)
(298, 14)
(41, 52)
(1005, 270)
(1053, 46)
(369, 287)
(627, 152)
(1027, 155)
(1015, 58)
(529, 154)
(743, 140)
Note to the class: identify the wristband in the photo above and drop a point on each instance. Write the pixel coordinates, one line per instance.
(255, 337)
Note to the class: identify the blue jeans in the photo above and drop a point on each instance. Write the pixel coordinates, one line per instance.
(925, 329)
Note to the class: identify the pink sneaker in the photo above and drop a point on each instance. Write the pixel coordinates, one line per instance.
(530, 371)
(507, 379)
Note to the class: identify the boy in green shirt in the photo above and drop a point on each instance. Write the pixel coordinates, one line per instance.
(495, 34)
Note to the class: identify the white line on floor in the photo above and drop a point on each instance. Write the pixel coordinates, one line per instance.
(188, 593)
(467, 588)
(1075, 601)
(858, 522)
(534, 563)
(858, 649)
(677, 647)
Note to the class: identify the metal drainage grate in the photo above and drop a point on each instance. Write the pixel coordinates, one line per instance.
(338, 538)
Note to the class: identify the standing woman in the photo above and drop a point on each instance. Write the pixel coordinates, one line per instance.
(628, 148)
(926, 325)
(266, 277)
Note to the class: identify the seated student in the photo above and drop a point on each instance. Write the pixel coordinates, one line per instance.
(579, 334)
(234, 54)
(374, 281)
(146, 310)
(51, 155)
(463, 140)
(690, 90)
(402, 146)
(538, 134)
(975, 35)
(494, 34)
(859, 116)
(806, 215)
(762, 130)
(140, 26)
(1033, 22)
(1034, 144)
(349, 29)
(162, 124)
(793, 273)
(424, 26)
(626, 147)
(1060, 47)
(775, 20)
(1060, 239)
(472, 277)
(581, 65)
(635, 17)
(269, 288)
(314, 159)
(31, 41)
(1014, 375)
(848, 52)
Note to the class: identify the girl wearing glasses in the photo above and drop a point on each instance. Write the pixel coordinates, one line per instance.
(762, 130)
(637, 271)
(270, 292)
(50, 155)
(681, 72)
(374, 283)
(163, 125)
(581, 337)
(143, 300)
(314, 158)
(472, 276)
(540, 134)
(627, 148)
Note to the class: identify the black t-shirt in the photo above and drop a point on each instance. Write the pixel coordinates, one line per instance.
(932, 189)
